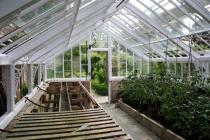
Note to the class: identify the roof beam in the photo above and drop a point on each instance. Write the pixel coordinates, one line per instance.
(79, 32)
(38, 18)
(56, 29)
(133, 34)
(8, 6)
(80, 28)
(38, 54)
(74, 14)
(150, 22)
(199, 8)
(120, 41)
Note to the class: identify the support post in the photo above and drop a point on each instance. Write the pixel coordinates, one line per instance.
(39, 73)
(11, 89)
(89, 41)
(109, 68)
(44, 72)
(126, 62)
(30, 78)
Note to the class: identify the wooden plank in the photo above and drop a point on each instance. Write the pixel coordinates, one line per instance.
(52, 113)
(110, 135)
(119, 138)
(65, 116)
(60, 126)
(66, 130)
(78, 100)
(63, 123)
(70, 135)
(62, 119)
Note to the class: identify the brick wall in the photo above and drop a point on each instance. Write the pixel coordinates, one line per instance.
(116, 89)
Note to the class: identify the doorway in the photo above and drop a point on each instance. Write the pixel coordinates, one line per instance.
(99, 75)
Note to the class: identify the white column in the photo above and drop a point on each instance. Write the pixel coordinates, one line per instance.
(126, 63)
(11, 89)
(39, 73)
(63, 65)
(89, 41)
(80, 65)
(72, 63)
(44, 72)
(30, 78)
(54, 67)
(133, 62)
(109, 67)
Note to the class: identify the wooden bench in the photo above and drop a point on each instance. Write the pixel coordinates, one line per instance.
(89, 124)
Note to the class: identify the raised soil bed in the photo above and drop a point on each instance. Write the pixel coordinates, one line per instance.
(152, 125)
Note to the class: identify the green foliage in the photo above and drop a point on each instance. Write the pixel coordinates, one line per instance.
(25, 89)
(100, 88)
(98, 74)
(183, 105)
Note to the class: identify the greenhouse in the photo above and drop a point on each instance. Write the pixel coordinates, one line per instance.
(105, 69)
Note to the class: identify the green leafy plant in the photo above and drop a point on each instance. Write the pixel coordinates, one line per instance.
(181, 105)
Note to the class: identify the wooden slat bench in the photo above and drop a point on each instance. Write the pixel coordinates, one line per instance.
(90, 124)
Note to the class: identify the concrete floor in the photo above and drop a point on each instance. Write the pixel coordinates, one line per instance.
(131, 126)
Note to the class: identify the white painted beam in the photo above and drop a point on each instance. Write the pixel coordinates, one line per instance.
(199, 8)
(10, 87)
(30, 45)
(8, 6)
(152, 23)
(30, 77)
(74, 16)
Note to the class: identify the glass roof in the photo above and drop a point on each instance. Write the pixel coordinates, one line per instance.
(143, 25)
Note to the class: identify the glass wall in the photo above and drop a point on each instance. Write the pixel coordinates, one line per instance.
(102, 40)
(71, 64)
(59, 66)
(67, 64)
(122, 60)
(50, 70)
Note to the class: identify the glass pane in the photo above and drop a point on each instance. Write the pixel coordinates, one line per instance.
(50, 73)
(129, 62)
(144, 67)
(59, 66)
(67, 69)
(76, 62)
(101, 40)
(67, 55)
(84, 70)
(122, 55)
(137, 65)
(185, 70)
